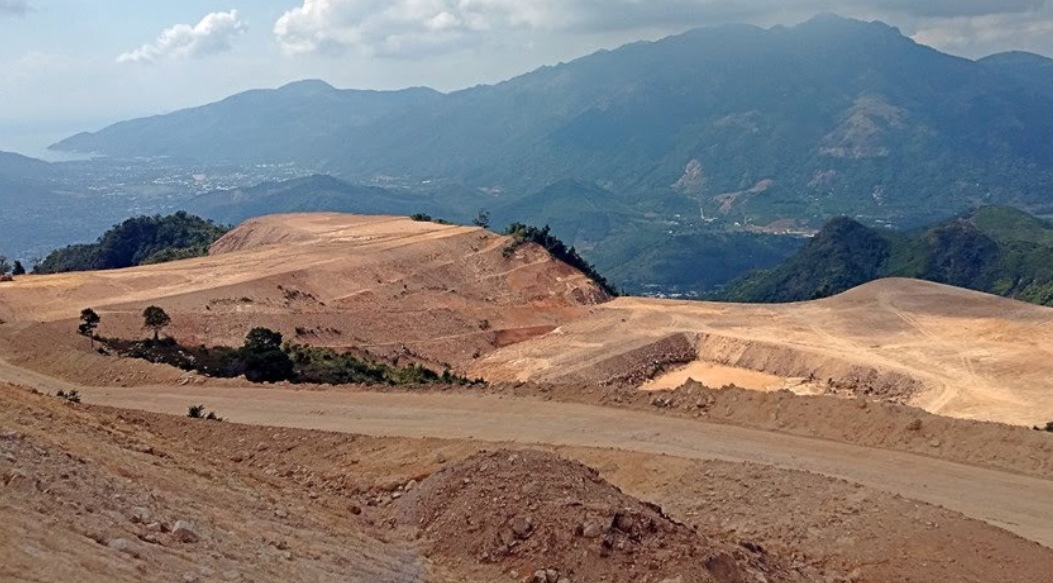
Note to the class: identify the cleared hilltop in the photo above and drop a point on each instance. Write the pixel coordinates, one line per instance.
(390, 286)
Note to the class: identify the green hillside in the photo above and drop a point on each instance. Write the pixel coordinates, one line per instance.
(138, 241)
(998, 250)
(831, 117)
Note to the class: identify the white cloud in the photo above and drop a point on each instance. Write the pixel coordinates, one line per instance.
(402, 27)
(414, 28)
(213, 34)
(13, 7)
(980, 35)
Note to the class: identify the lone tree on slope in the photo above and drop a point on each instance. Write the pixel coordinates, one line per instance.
(18, 269)
(155, 319)
(89, 321)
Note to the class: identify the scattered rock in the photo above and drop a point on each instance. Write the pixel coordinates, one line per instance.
(591, 530)
(914, 425)
(139, 515)
(122, 545)
(522, 526)
(185, 531)
(623, 522)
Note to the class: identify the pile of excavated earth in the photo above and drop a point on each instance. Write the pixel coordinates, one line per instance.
(517, 511)
(879, 436)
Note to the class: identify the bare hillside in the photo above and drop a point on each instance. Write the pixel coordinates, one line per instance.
(387, 285)
(947, 350)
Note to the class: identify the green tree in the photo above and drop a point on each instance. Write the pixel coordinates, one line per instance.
(18, 269)
(5, 265)
(482, 219)
(155, 319)
(89, 321)
(264, 359)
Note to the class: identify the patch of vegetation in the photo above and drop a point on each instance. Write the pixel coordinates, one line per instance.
(89, 321)
(265, 358)
(995, 250)
(426, 218)
(1048, 427)
(138, 241)
(155, 318)
(543, 237)
(198, 412)
(72, 396)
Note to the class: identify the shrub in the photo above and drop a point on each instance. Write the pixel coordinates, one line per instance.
(73, 396)
(198, 412)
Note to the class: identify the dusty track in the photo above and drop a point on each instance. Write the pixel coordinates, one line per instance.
(1019, 504)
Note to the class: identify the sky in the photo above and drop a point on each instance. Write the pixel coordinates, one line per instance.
(78, 65)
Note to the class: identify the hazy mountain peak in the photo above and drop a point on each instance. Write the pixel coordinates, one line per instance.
(832, 22)
(308, 87)
(1017, 58)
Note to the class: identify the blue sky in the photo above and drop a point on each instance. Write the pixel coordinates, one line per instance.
(72, 65)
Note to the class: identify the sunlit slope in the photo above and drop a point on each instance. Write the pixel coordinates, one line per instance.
(385, 284)
(947, 350)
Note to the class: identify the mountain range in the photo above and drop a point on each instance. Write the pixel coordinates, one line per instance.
(833, 116)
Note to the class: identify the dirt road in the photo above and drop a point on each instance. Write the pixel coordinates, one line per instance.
(1019, 504)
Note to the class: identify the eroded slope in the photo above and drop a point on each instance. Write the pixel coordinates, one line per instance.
(944, 349)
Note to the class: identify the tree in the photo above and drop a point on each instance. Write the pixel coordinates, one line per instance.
(89, 321)
(18, 269)
(262, 340)
(482, 219)
(155, 319)
(264, 359)
(5, 265)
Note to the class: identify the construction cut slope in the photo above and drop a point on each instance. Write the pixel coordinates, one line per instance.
(387, 285)
(947, 350)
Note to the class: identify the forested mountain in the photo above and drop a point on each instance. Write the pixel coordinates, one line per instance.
(831, 117)
(305, 120)
(997, 250)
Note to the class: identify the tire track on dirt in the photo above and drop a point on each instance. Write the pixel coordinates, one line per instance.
(1020, 504)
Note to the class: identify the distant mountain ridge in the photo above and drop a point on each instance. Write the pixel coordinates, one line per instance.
(833, 116)
(255, 126)
(998, 250)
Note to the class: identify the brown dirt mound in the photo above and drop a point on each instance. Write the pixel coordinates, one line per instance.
(533, 516)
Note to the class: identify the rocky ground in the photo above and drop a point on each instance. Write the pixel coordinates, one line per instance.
(109, 495)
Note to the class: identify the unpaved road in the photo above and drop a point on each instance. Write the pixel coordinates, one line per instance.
(1020, 504)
